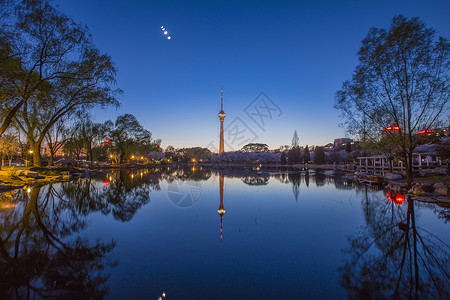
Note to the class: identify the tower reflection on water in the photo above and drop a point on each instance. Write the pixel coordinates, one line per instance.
(221, 210)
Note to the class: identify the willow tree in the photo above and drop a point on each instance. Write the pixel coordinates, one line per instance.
(36, 44)
(60, 71)
(401, 83)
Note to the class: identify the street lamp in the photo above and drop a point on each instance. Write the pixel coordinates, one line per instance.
(26, 160)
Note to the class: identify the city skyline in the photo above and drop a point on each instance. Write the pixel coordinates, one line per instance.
(296, 54)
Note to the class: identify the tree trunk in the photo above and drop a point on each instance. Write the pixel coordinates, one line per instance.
(409, 170)
(51, 158)
(90, 154)
(9, 117)
(36, 155)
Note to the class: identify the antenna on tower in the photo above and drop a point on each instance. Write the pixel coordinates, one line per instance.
(221, 97)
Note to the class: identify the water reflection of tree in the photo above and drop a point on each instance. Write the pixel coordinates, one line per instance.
(196, 174)
(255, 180)
(295, 179)
(85, 194)
(320, 179)
(124, 193)
(393, 257)
(443, 212)
(40, 256)
(307, 179)
(343, 183)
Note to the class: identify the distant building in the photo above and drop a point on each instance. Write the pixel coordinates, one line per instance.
(434, 132)
(59, 152)
(328, 146)
(439, 132)
(341, 142)
(424, 157)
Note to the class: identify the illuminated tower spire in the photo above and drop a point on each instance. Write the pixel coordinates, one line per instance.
(221, 98)
(222, 116)
(221, 210)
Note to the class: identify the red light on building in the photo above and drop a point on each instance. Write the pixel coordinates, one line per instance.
(106, 182)
(393, 128)
(426, 131)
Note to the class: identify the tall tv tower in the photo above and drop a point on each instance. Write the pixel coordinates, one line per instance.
(222, 116)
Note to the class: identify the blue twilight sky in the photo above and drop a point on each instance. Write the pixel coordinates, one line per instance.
(297, 52)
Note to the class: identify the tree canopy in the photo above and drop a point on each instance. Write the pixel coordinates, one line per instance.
(319, 155)
(306, 155)
(127, 135)
(49, 68)
(197, 153)
(400, 87)
(294, 156)
(255, 147)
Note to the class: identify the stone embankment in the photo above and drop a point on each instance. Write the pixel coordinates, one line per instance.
(435, 189)
(19, 177)
(16, 178)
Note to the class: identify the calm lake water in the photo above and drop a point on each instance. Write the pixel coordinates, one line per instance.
(195, 234)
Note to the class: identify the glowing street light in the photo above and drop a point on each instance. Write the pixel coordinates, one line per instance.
(26, 158)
